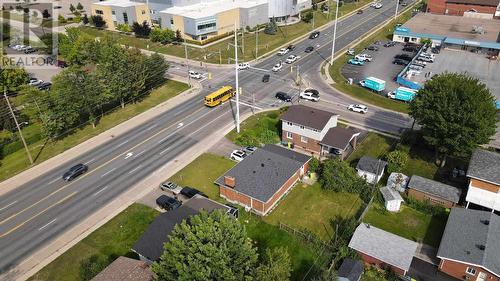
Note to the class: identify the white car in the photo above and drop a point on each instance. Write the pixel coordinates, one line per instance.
(291, 59)
(238, 155)
(277, 67)
(35, 82)
(363, 57)
(378, 6)
(243, 65)
(19, 47)
(283, 51)
(358, 108)
(310, 94)
(195, 75)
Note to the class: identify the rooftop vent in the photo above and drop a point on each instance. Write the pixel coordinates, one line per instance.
(485, 222)
(262, 165)
(481, 247)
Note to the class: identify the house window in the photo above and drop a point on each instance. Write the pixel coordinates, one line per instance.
(172, 21)
(470, 270)
(99, 12)
(303, 139)
(289, 123)
(143, 12)
(289, 135)
(125, 18)
(302, 127)
(113, 12)
(206, 26)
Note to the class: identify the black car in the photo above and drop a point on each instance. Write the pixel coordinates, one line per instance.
(283, 96)
(29, 50)
(309, 49)
(410, 49)
(44, 86)
(435, 50)
(400, 62)
(403, 57)
(372, 48)
(314, 35)
(265, 78)
(390, 44)
(290, 47)
(168, 203)
(190, 192)
(74, 172)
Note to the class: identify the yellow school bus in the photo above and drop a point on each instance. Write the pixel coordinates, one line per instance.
(219, 96)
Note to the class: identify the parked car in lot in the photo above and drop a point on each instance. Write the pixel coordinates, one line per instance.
(403, 57)
(290, 47)
(283, 51)
(420, 63)
(29, 50)
(265, 78)
(310, 94)
(410, 49)
(35, 82)
(402, 94)
(390, 44)
(291, 59)
(238, 155)
(358, 108)
(350, 52)
(170, 186)
(74, 172)
(372, 48)
(426, 59)
(415, 67)
(283, 96)
(44, 86)
(249, 149)
(190, 192)
(400, 62)
(309, 49)
(243, 65)
(195, 75)
(373, 84)
(363, 57)
(436, 50)
(168, 203)
(314, 35)
(277, 67)
(355, 62)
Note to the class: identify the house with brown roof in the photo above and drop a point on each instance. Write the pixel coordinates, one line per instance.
(484, 180)
(316, 131)
(125, 269)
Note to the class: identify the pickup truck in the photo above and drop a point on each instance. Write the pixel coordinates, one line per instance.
(402, 94)
(372, 83)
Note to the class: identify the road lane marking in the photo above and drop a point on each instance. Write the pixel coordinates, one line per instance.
(38, 214)
(246, 104)
(135, 169)
(180, 125)
(101, 190)
(151, 127)
(165, 150)
(8, 205)
(53, 181)
(140, 153)
(129, 155)
(47, 224)
(122, 143)
(90, 161)
(105, 174)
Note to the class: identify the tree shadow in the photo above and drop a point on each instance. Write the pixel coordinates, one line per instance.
(41, 149)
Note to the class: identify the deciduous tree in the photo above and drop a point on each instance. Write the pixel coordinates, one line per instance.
(276, 266)
(396, 161)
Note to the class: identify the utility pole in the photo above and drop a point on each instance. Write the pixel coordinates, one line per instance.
(187, 63)
(257, 42)
(237, 83)
(335, 31)
(397, 6)
(220, 56)
(243, 42)
(313, 12)
(18, 127)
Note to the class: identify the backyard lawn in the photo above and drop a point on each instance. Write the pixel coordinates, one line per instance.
(408, 223)
(261, 128)
(313, 208)
(101, 247)
(374, 145)
(202, 172)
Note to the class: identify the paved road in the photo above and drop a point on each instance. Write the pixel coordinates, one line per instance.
(37, 212)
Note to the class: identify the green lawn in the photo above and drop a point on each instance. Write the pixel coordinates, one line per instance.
(252, 130)
(408, 223)
(110, 241)
(374, 145)
(202, 172)
(313, 208)
(17, 162)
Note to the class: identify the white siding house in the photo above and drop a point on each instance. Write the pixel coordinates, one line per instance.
(371, 169)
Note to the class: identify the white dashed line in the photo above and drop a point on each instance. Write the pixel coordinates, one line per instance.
(102, 189)
(135, 169)
(47, 224)
(8, 205)
(103, 175)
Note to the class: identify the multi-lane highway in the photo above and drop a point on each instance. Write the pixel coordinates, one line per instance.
(40, 210)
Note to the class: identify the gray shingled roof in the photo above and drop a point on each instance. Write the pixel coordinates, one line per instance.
(307, 116)
(150, 244)
(125, 269)
(351, 269)
(435, 188)
(485, 165)
(369, 164)
(338, 137)
(390, 194)
(383, 245)
(263, 172)
(466, 232)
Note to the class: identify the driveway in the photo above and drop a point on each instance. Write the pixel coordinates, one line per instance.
(423, 271)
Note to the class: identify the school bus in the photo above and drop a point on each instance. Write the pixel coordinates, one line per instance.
(219, 96)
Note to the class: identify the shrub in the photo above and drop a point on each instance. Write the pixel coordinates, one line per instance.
(97, 21)
(141, 30)
(307, 17)
(425, 206)
(124, 28)
(163, 36)
(396, 161)
(314, 165)
(62, 19)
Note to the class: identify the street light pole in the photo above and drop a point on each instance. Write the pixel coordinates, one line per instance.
(187, 63)
(335, 31)
(397, 6)
(18, 127)
(237, 83)
(257, 42)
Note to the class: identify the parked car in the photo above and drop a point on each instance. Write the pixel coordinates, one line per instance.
(310, 94)
(44, 86)
(373, 4)
(427, 55)
(290, 47)
(358, 108)
(359, 12)
(410, 49)
(355, 62)
(436, 50)
(243, 65)
(363, 57)
(415, 67)
(283, 51)
(35, 82)
(74, 172)
(283, 96)
(390, 44)
(170, 186)
(195, 75)
(29, 50)
(420, 63)
(314, 35)
(400, 62)
(404, 4)
(350, 51)
(238, 155)
(403, 57)
(61, 64)
(291, 59)
(168, 203)
(277, 67)
(265, 78)
(309, 49)
(372, 48)
(249, 149)
(426, 59)
(190, 192)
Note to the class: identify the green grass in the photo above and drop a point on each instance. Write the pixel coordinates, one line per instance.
(202, 172)
(373, 274)
(110, 241)
(313, 208)
(17, 162)
(408, 223)
(252, 128)
(374, 145)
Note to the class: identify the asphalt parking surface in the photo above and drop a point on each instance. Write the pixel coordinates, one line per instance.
(424, 271)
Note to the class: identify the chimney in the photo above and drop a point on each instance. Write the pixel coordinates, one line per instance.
(229, 181)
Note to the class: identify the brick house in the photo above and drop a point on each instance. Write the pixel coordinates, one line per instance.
(437, 193)
(316, 131)
(383, 249)
(484, 180)
(459, 7)
(469, 248)
(263, 178)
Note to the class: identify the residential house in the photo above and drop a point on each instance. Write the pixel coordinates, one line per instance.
(263, 178)
(469, 8)
(383, 249)
(470, 247)
(371, 169)
(125, 269)
(149, 246)
(437, 193)
(484, 180)
(350, 270)
(316, 131)
(392, 199)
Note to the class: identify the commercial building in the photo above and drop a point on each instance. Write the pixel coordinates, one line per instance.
(468, 8)
(484, 180)
(115, 12)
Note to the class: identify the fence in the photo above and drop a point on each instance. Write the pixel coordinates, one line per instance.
(305, 236)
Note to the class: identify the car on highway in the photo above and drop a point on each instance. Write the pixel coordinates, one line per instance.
(363, 57)
(309, 49)
(310, 94)
(277, 67)
(74, 172)
(243, 65)
(195, 75)
(390, 44)
(372, 48)
(355, 62)
(358, 108)
(168, 203)
(283, 96)
(378, 6)
(283, 51)
(238, 155)
(291, 59)
(373, 4)
(170, 186)
(359, 12)
(351, 51)
(400, 62)
(265, 78)
(291, 47)
(190, 192)
(314, 35)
